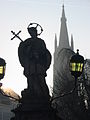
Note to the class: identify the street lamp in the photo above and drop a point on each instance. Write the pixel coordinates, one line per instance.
(76, 65)
(76, 68)
(2, 73)
(2, 68)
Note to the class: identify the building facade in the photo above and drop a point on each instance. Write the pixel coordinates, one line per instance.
(6, 105)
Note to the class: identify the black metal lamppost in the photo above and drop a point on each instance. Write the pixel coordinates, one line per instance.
(76, 65)
(76, 68)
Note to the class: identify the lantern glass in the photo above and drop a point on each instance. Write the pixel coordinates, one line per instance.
(78, 67)
(2, 69)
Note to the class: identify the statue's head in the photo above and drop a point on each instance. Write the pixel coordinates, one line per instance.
(33, 32)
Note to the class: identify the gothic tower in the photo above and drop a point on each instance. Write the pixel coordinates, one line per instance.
(61, 74)
(63, 39)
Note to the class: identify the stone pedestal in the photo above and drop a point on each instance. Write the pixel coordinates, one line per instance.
(33, 107)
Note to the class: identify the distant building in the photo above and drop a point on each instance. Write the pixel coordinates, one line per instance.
(6, 105)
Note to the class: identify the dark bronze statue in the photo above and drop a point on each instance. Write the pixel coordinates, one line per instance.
(36, 59)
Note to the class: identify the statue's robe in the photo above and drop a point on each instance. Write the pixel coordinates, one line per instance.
(36, 59)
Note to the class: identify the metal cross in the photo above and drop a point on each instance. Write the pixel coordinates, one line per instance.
(16, 35)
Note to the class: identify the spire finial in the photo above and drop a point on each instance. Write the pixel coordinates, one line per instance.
(63, 6)
(63, 13)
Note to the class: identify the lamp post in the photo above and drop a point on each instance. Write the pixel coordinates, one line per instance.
(76, 65)
(76, 68)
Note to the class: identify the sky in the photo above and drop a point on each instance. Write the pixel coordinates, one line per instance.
(17, 14)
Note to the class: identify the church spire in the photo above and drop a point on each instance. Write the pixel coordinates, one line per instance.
(63, 39)
(63, 19)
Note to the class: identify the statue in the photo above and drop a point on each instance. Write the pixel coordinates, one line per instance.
(36, 59)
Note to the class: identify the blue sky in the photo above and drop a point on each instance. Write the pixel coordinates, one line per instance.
(17, 14)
